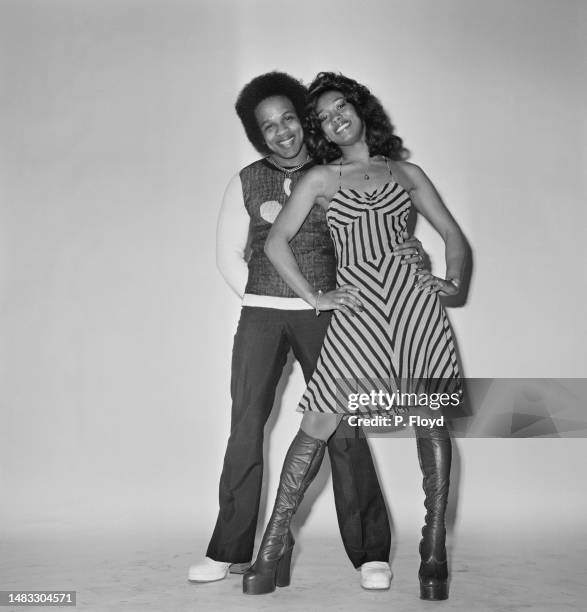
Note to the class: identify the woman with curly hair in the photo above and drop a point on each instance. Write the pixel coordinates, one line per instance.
(389, 331)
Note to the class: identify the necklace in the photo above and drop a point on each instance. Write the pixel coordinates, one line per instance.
(375, 158)
(366, 175)
(287, 172)
(288, 169)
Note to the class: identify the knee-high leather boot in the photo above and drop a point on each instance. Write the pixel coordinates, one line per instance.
(434, 454)
(272, 566)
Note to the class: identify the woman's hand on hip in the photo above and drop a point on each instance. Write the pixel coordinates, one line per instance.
(426, 281)
(345, 298)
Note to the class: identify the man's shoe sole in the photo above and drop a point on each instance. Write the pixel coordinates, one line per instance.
(239, 568)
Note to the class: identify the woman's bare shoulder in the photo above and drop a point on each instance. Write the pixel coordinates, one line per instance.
(320, 180)
(410, 169)
(319, 174)
(409, 175)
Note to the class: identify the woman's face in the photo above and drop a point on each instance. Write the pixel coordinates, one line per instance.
(338, 118)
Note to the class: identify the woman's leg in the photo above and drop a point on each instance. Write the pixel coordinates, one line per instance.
(320, 425)
(434, 454)
(302, 462)
(360, 506)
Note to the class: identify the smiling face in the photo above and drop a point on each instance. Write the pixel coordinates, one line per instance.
(338, 118)
(282, 130)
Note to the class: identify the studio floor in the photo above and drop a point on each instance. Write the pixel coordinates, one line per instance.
(148, 572)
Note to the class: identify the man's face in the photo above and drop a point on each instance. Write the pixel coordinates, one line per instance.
(282, 130)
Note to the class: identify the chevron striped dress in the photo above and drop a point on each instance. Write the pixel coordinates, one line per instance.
(402, 341)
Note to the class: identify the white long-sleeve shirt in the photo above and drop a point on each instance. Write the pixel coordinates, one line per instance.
(232, 234)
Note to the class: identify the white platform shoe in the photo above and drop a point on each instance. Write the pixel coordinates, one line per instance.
(376, 575)
(211, 571)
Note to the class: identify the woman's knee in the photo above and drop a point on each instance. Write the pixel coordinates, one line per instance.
(320, 426)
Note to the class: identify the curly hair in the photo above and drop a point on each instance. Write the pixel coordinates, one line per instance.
(381, 139)
(262, 87)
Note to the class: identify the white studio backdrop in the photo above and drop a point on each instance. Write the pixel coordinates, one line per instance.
(117, 138)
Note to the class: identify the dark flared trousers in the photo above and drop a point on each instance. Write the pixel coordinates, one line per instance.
(263, 339)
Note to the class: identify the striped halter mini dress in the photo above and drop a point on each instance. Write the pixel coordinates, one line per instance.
(401, 342)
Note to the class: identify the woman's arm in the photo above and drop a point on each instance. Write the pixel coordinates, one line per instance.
(428, 203)
(279, 252)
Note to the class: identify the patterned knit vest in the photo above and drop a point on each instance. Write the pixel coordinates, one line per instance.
(265, 191)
